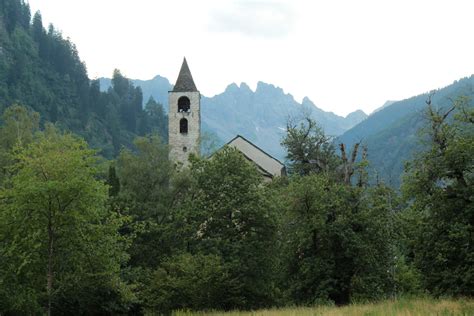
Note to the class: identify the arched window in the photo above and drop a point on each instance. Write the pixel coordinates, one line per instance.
(183, 126)
(184, 104)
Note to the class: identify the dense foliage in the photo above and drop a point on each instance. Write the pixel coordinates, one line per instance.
(215, 236)
(60, 247)
(439, 186)
(339, 241)
(140, 235)
(227, 232)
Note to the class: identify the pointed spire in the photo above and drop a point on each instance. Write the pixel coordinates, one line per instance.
(185, 82)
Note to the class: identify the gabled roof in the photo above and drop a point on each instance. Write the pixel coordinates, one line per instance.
(185, 82)
(267, 164)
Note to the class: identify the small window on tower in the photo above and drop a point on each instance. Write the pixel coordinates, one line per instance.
(185, 149)
(183, 126)
(184, 105)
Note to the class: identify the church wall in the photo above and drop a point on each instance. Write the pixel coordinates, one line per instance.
(190, 140)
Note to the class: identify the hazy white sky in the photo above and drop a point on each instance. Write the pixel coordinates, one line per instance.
(342, 54)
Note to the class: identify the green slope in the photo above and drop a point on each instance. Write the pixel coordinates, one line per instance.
(42, 70)
(392, 134)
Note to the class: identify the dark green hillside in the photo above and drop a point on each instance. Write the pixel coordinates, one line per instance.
(42, 70)
(157, 87)
(391, 134)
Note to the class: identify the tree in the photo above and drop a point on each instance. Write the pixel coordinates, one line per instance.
(18, 129)
(338, 241)
(129, 100)
(439, 187)
(225, 226)
(157, 118)
(230, 216)
(147, 195)
(19, 126)
(309, 150)
(60, 247)
(186, 281)
(350, 166)
(113, 182)
(15, 13)
(120, 84)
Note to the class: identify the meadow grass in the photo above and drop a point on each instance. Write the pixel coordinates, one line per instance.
(402, 306)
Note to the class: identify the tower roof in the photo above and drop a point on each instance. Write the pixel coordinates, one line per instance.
(185, 82)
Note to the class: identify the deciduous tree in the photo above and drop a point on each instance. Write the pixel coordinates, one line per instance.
(309, 150)
(439, 187)
(60, 246)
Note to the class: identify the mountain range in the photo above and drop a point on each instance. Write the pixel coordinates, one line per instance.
(391, 132)
(259, 115)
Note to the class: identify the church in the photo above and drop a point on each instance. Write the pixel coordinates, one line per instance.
(185, 129)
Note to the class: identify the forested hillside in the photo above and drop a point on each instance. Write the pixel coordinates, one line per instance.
(42, 70)
(391, 134)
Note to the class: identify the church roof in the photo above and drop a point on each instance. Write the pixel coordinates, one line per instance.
(185, 82)
(268, 165)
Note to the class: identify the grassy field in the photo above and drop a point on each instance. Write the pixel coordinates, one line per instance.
(405, 307)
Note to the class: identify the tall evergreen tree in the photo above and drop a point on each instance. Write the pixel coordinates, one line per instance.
(157, 118)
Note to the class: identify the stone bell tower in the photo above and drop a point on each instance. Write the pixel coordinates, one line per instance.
(184, 117)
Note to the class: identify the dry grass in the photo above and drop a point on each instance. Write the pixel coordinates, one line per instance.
(400, 307)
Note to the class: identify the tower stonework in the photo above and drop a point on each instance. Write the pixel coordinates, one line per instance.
(184, 117)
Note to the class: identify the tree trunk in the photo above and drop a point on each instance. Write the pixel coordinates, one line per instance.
(348, 164)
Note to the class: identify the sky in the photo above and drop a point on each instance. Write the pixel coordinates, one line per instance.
(342, 54)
